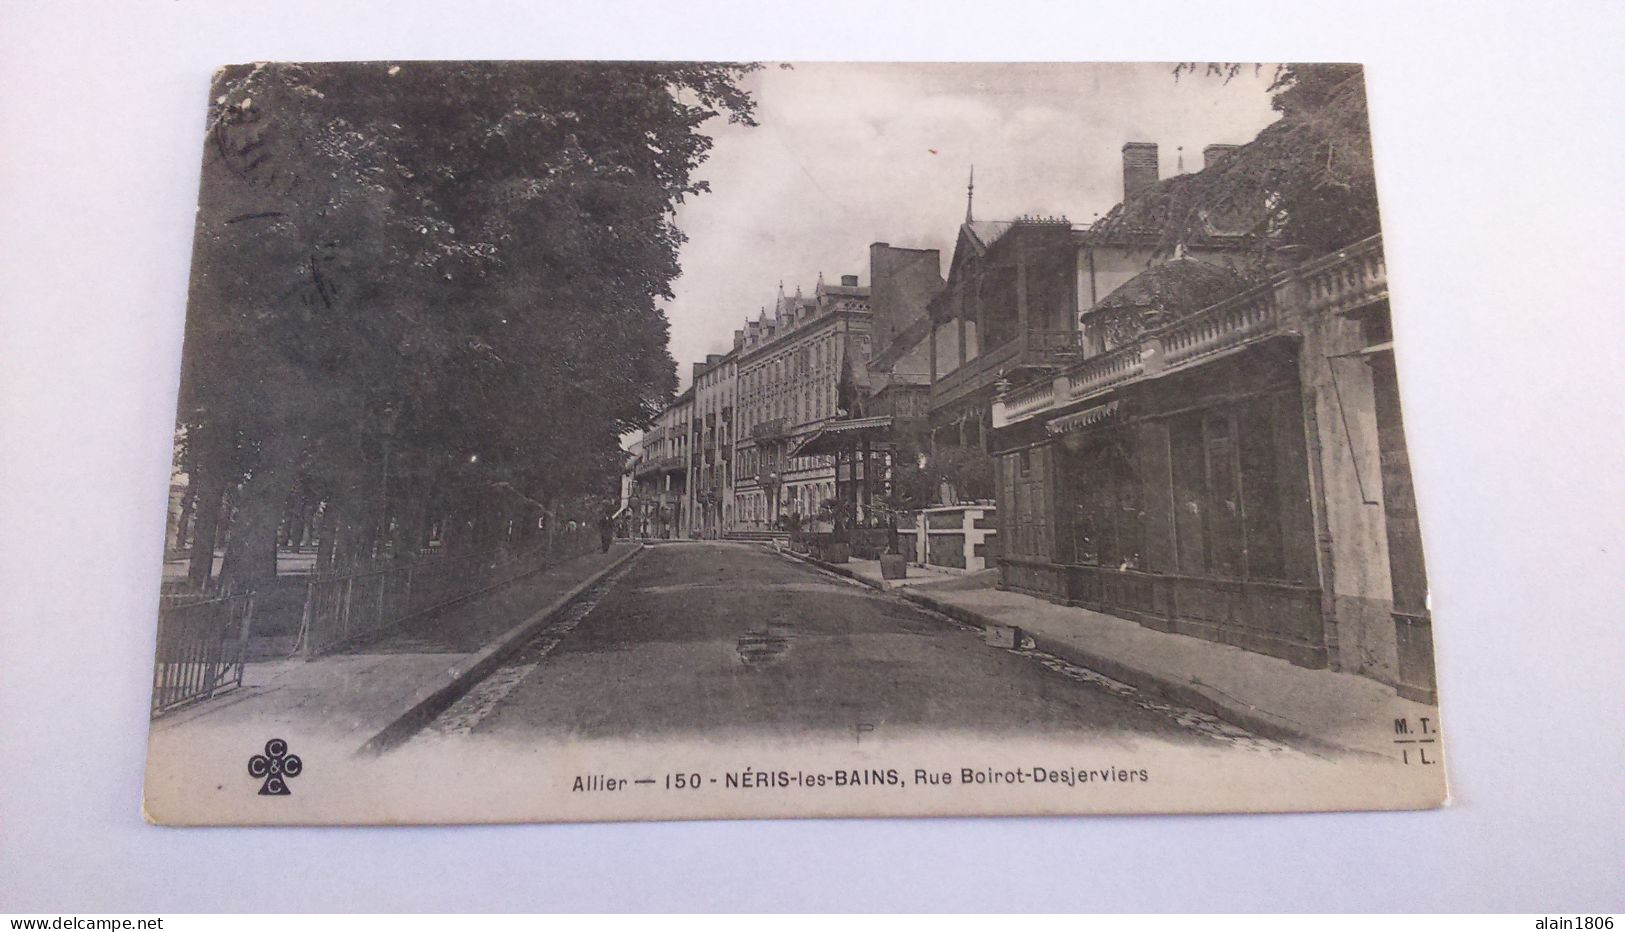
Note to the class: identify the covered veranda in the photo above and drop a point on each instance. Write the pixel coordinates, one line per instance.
(859, 447)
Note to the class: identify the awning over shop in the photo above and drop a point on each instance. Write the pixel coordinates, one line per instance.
(839, 436)
(1079, 420)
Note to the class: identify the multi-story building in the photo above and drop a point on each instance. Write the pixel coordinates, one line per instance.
(1010, 309)
(626, 518)
(711, 446)
(660, 504)
(1223, 455)
(1235, 471)
(789, 370)
(789, 365)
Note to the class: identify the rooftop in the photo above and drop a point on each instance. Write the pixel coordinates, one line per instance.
(1174, 288)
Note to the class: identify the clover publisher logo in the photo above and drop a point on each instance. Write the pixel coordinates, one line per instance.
(276, 766)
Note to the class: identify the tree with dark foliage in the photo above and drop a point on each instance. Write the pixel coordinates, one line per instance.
(1306, 180)
(425, 294)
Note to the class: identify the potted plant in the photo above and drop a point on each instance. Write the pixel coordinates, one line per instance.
(835, 546)
(893, 564)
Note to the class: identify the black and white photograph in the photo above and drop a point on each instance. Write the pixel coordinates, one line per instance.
(622, 440)
(868, 462)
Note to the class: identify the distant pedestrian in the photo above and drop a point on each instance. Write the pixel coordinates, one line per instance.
(606, 532)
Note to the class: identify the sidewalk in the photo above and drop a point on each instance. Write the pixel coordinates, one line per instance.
(1266, 695)
(868, 572)
(354, 694)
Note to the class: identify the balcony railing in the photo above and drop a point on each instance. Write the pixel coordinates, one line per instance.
(1106, 371)
(1231, 323)
(655, 467)
(1024, 401)
(1347, 280)
(1035, 348)
(1340, 283)
(1057, 345)
(777, 427)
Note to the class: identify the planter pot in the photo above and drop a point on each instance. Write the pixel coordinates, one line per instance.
(837, 552)
(893, 566)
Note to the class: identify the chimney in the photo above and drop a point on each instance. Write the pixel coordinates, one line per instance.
(1139, 167)
(849, 281)
(1212, 154)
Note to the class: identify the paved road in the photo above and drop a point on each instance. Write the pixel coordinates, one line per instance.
(715, 638)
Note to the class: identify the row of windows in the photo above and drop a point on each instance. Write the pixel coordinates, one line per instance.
(1220, 492)
(808, 404)
(797, 385)
(753, 462)
(805, 500)
(814, 357)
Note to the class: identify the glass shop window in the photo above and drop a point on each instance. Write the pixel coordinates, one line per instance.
(1107, 520)
(1226, 545)
(1189, 470)
(1227, 492)
(1261, 493)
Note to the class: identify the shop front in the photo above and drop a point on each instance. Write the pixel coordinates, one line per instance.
(1180, 502)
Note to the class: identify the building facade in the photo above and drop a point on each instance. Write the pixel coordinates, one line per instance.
(1235, 472)
(1008, 311)
(1016, 290)
(789, 367)
(711, 446)
(790, 371)
(659, 506)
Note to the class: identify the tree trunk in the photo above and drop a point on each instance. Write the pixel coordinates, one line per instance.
(211, 489)
(307, 522)
(251, 552)
(345, 549)
(183, 521)
(550, 518)
(326, 539)
(406, 537)
(296, 527)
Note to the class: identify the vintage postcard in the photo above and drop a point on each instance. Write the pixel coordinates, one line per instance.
(567, 441)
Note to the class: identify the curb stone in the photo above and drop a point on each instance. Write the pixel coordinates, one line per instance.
(838, 570)
(1190, 693)
(422, 709)
(435, 610)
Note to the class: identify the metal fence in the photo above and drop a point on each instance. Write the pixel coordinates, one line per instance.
(200, 649)
(340, 610)
(203, 641)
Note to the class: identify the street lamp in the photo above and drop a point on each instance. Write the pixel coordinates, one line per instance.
(769, 481)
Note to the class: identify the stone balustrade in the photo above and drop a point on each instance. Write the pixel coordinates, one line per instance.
(1346, 280)
(1024, 401)
(1339, 283)
(1228, 324)
(1103, 372)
